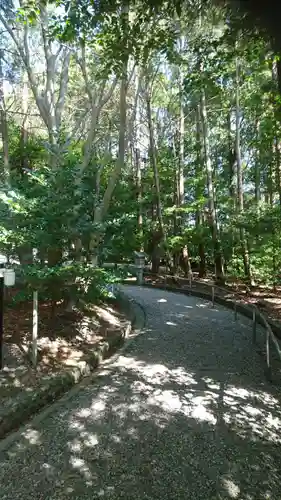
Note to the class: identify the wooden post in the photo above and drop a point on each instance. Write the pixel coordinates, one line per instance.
(254, 326)
(213, 296)
(268, 367)
(35, 328)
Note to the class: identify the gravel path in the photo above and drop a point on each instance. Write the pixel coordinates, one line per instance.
(183, 413)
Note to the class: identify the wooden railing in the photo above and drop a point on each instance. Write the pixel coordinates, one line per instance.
(257, 318)
(256, 315)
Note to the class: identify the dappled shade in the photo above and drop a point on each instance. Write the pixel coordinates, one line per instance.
(184, 413)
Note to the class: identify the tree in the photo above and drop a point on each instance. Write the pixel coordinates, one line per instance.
(165, 145)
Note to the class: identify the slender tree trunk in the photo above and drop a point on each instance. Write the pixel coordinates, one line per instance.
(153, 161)
(199, 192)
(139, 199)
(176, 253)
(24, 128)
(258, 169)
(181, 142)
(134, 134)
(231, 176)
(275, 240)
(258, 179)
(276, 77)
(231, 165)
(240, 193)
(218, 259)
(102, 208)
(4, 129)
(184, 255)
(276, 74)
(278, 166)
(176, 197)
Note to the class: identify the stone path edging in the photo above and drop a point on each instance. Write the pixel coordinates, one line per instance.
(33, 401)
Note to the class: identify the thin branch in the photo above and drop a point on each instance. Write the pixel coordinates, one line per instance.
(109, 94)
(25, 56)
(63, 85)
(82, 63)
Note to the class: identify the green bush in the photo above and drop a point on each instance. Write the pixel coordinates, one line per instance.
(75, 282)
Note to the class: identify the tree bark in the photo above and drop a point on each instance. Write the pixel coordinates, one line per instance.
(258, 168)
(24, 129)
(101, 209)
(153, 160)
(240, 193)
(49, 106)
(4, 129)
(199, 168)
(184, 259)
(278, 166)
(218, 259)
(139, 199)
(231, 165)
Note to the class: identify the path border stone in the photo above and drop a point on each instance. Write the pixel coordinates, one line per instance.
(55, 386)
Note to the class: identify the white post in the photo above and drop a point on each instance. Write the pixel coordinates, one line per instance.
(268, 354)
(254, 325)
(35, 328)
(213, 296)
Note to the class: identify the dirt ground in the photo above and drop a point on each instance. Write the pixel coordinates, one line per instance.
(62, 336)
(64, 339)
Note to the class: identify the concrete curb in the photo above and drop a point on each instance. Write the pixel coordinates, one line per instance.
(33, 401)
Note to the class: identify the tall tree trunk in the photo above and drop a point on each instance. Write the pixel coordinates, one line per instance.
(5, 174)
(101, 209)
(175, 200)
(153, 161)
(134, 135)
(271, 178)
(24, 128)
(176, 252)
(231, 165)
(199, 175)
(240, 193)
(276, 77)
(278, 166)
(184, 255)
(218, 259)
(181, 141)
(231, 176)
(258, 168)
(139, 199)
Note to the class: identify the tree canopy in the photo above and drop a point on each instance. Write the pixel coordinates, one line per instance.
(139, 126)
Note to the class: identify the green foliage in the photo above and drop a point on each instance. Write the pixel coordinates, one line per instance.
(74, 281)
(52, 209)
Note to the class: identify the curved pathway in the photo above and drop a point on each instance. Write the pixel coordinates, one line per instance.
(183, 413)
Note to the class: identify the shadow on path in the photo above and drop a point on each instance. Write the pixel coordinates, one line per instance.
(185, 413)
